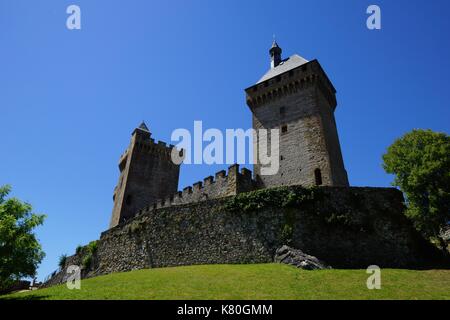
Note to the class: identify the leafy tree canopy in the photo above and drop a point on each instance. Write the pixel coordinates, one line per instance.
(20, 251)
(420, 161)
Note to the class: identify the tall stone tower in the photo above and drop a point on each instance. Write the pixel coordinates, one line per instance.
(297, 97)
(147, 174)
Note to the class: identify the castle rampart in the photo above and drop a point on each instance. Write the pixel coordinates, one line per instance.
(345, 227)
(221, 185)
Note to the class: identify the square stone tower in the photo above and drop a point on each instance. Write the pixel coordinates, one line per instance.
(147, 174)
(297, 97)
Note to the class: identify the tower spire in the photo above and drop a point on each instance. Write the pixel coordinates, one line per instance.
(143, 126)
(275, 54)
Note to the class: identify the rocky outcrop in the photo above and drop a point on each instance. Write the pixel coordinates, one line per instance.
(298, 258)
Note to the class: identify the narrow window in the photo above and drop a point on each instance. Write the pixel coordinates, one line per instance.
(284, 129)
(318, 176)
(122, 164)
(128, 200)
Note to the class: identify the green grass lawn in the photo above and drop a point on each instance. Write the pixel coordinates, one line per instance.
(257, 281)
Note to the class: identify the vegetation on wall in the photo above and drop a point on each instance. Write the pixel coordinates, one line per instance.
(87, 253)
(135, 226)
(62, 260)
(307, 199)
(79, 249)
(282, 197)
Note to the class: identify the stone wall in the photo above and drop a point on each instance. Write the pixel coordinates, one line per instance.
(61, 276)
(219, 186)
(344, 227)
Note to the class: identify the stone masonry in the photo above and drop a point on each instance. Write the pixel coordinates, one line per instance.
(344, 227)
(297, 98)
(147, 174)
(294, 96)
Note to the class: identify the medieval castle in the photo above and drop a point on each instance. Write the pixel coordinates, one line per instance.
(217, 220)
(295, 95)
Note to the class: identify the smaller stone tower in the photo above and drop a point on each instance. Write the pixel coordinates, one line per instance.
(147, 174)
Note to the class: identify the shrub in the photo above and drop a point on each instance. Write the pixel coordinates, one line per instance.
(79, 249)
(91, 249)
(87, 260)
(62, 260)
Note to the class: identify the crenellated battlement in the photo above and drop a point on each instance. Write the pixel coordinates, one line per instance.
(212, 187)
(155, 147)
(150, 146)
(307, 75)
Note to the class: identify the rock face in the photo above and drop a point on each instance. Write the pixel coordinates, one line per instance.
(298, 258)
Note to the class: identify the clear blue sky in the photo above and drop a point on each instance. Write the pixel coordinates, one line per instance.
(70, 99)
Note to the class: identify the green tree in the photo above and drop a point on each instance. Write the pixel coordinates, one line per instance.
(420, 161)
(20, 252)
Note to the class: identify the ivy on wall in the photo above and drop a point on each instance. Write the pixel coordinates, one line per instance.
(296, 197)
(282, 197)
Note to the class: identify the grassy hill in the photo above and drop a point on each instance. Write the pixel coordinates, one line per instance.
(260, 281)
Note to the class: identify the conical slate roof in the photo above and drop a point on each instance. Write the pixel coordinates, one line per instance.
(143, 126)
